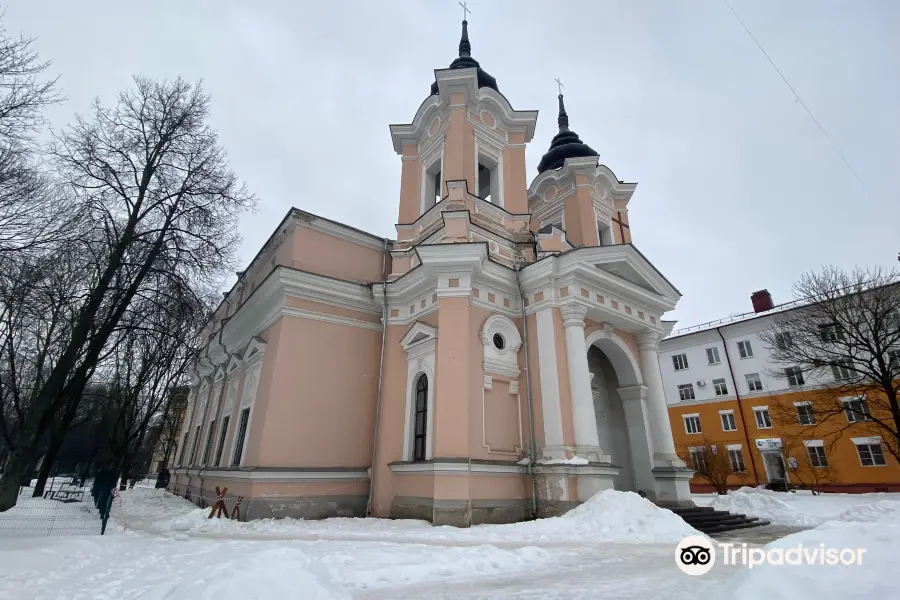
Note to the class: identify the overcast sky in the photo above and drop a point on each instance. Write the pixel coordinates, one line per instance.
(737, 188)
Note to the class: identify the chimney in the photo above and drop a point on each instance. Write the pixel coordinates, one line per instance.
(762, 301)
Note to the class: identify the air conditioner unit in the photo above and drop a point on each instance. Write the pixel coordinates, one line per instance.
(701, 383)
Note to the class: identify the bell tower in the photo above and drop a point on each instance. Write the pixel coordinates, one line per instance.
(465, 131)
(573, 193)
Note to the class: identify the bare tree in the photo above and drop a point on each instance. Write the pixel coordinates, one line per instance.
(811, 472)
(162, 205)
(844, 339)
(712, 464)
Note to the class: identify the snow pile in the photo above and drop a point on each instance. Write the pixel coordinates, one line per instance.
(763, 504)
(873, 578)
(882, 510)
(609, 516)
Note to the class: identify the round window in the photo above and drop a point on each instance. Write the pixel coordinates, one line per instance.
(499, 342)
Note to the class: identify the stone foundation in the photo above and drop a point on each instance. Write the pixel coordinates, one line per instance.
(460, 513)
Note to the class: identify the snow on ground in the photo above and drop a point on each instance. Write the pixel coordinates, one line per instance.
(793, 509)
(49, 517)
(616, 545)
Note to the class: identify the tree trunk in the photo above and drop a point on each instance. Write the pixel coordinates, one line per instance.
(46, 467)
(12, 477)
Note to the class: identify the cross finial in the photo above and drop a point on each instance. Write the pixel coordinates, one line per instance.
(559, 85)
(466, 10)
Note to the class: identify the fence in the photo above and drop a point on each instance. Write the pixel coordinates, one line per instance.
(70, 505)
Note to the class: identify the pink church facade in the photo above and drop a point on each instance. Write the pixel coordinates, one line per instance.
(495, 362)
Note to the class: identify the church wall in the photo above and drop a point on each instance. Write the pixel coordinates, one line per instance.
(410, 185)
(534, 372)
(459, 146)
(264, 392)
(328, 255)
(454, 390)
(392, 421)
(514, 181)
(328, 309)
(612, 430)
(321, 404)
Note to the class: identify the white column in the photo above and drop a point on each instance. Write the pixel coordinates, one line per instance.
(661, 429)
(583, 415)
(554, 446)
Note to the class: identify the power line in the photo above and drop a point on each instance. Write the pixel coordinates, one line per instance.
(809, 112)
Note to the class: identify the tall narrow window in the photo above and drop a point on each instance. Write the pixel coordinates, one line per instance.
(436, 186)
(239, 440)
(210, 436)
(712, 355)
(221, 445)
(196, 445)
(484, 182)
(184, 447)
(420, 418)
(745, 349)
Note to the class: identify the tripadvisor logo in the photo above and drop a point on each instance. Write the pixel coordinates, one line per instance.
(695, 555)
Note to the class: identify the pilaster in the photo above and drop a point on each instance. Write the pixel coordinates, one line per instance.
(584, 418)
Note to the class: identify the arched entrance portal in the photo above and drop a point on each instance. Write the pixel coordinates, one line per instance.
(622, 430)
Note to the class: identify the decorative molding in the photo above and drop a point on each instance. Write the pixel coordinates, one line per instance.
(440, 467)
(417, 334)
(299, 474)
(288, 311)
(573, 314)
(503, 361)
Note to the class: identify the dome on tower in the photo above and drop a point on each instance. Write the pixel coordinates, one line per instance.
(465, 61)
(565, 144)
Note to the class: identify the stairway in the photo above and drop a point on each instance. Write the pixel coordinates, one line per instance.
(709, 520)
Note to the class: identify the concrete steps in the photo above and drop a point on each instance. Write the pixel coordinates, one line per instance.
(709, 520)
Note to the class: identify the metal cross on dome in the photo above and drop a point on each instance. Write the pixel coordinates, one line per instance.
(466, 10)
(559, 84)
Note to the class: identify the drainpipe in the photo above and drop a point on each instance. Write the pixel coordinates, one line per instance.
(384, 314)
(531, 448)
(737, 395)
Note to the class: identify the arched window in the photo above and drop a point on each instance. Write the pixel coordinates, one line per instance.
(420, 418)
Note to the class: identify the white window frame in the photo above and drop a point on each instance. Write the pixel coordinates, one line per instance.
(812, 413)
(712, 355)
(759, 411)
(736, 450)
(869, 443)
(783, 340)
(755, 378)
(698, 455)
(823, 459)
(693, 418)
(723, 420)
(686, 387)
(680, 362)
(490, 156)
(249, 391)
(864, 408)
(794, 376)
(840, 371)
(720, 381)
(420, 344)
(745, 349)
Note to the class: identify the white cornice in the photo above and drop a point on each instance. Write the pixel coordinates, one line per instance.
(616, 190)
(294, 475)
(438, 467)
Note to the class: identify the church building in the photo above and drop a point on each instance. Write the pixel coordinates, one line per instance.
(495, 362)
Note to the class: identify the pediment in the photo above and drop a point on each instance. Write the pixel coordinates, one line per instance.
(255, 350)
(418, 334)
(623, 270)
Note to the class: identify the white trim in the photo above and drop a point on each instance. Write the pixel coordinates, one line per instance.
(730, 447)
(607, 334)
(690, 415)
(422, 362)
(869, 441)
(298, 475)
(248, 401)
(803, 403)
(766, 407)
(729, 411)
(814, 443)
(456, 468)
(288, 311)
(549, 381)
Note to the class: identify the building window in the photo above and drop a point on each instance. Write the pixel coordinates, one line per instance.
(499, 342)
(221, 445)
(691, 423)
(737, 460)
(794, 376)
(783, 340)
(484, 182)
(754, 383)
(842, 370)
(698, 458)
(686, 391)
(420, 422)
(605, 234)
(680, 361)
(195, 446)
(744, 349)
(831, 332)
(239, 441)
(856, 409)
(894, 359)
(762, 417)
(805, 414)
(712, 355)
(184, 445)
(892, 321)
(720, 387)
(870, 455)
(817, 458)
(210, 436)
(728, 421)
(433, 185)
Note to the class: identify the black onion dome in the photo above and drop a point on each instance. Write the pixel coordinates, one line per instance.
(465, 61)
(565, 144)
